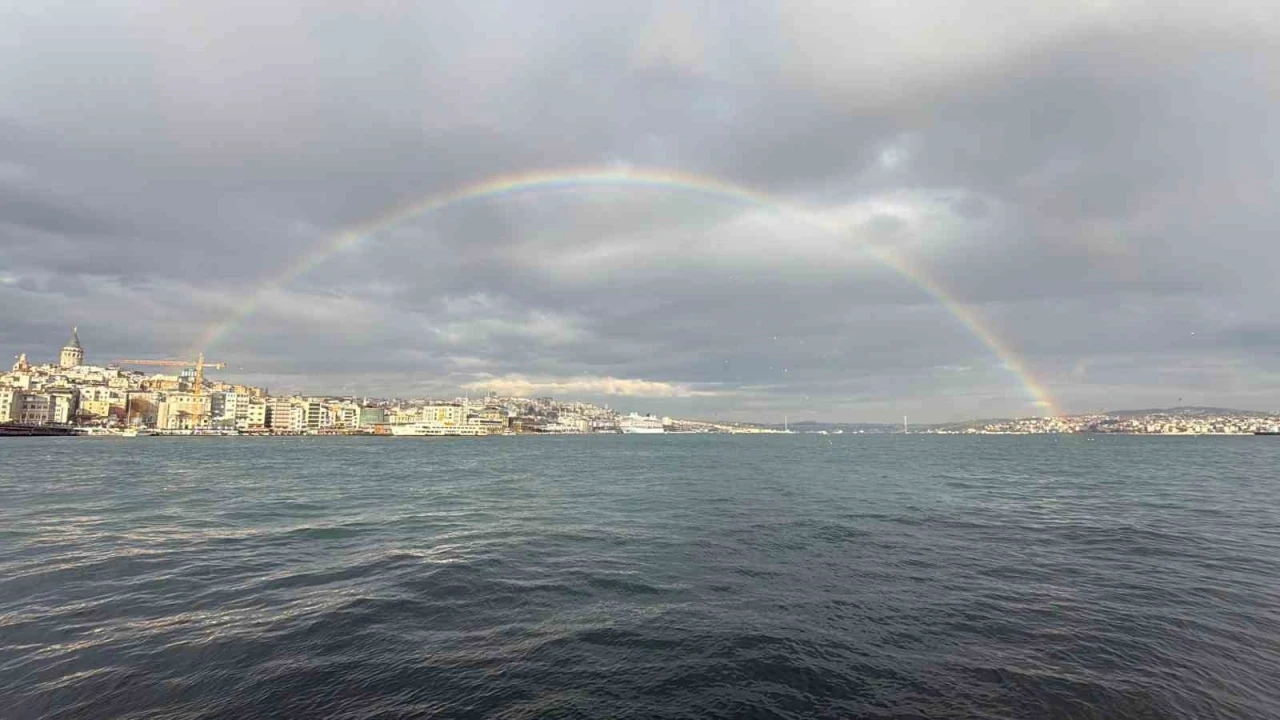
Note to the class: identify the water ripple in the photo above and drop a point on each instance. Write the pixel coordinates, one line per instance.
(784, 576)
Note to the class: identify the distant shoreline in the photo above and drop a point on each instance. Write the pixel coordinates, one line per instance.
(76, 433)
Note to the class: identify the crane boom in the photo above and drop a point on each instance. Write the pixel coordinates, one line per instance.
(199, 365)
(161, 363)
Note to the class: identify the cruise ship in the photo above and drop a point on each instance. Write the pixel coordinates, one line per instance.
(637, 424)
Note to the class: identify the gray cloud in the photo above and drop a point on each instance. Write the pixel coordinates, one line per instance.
(1096, 182)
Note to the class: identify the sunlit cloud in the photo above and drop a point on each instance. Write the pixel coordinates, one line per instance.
(517, 385)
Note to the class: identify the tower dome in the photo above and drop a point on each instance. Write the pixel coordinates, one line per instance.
(72, 353)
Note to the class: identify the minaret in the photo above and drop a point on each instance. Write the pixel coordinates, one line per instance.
(72, 354)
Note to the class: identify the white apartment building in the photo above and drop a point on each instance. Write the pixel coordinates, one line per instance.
(30, 408)
(10, 404)
(63, 406)
(447, 415)
(401, 415)
(35, 409)
(286, 415)
(18, 380)
(255, 415)
(95, 409)
(315, 414)
(346, 415)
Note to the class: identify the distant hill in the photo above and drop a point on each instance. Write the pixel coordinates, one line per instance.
(806, 425)
(962, 424)
(1182, 411)
(1188, 411)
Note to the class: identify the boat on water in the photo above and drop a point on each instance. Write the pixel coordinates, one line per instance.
(438, 429)
(138, 432)
(27, 430)
(1266, 432)
(637, 424)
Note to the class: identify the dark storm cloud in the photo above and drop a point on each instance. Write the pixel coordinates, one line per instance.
(45, 214)
(1096, 181)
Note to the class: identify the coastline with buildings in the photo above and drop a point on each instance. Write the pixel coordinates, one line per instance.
(74, 397)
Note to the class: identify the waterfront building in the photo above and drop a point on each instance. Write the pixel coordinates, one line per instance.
(239, 407)
(286, 415)
(142, 408)
(94, 410)
(296, 422)
(38, 408)
(524, 424)
(218, 405)
(445, 414)
(490, 426)
(401, 415)
(255, 414)
(63, 404)
(100, 393)
(345, 415)
(314, 414)
(182, 411)
(10, 404)
(34, 409)
(228, 409)
(604, 425)
(370, 416)
(568, 423)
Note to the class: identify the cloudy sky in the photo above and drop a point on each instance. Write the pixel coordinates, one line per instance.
(1093, 188)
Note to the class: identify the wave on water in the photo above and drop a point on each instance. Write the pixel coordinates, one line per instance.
(578, 577)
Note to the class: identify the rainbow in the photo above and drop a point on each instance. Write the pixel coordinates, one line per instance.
(574, 178)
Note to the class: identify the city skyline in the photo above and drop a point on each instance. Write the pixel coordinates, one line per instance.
(75, 394)
(673, 209)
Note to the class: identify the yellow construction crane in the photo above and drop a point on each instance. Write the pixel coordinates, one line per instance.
(199, 364)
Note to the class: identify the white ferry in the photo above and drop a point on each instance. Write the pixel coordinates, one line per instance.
(438, 429)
